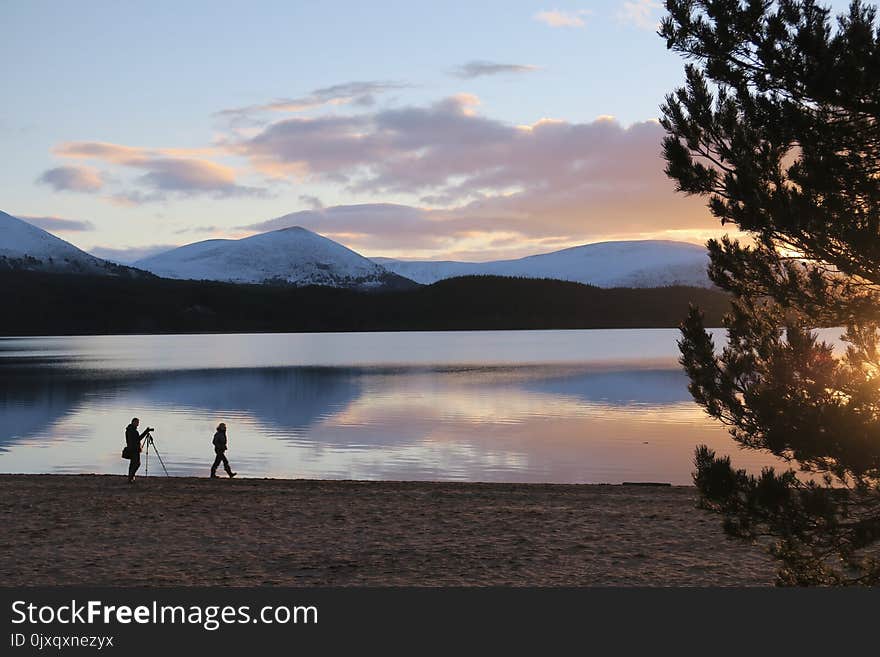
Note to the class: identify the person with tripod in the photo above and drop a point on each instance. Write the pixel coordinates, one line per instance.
(220, 444)
(133, 446)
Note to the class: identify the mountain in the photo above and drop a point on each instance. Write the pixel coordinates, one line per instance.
(24, 247)
(300, 257)
(646, 263)
(290, 255)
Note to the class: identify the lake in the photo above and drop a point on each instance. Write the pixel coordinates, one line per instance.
(582, 406)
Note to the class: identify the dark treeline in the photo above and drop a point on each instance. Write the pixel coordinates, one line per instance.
(46, 304)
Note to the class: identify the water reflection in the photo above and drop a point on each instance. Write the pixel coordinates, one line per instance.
(524, 423)
(29, 405)
(623, 387)
(287, 400)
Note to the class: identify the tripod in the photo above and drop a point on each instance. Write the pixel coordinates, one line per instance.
(148, 440)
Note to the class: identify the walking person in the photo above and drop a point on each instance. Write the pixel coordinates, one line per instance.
(220, 444)
(133, 446)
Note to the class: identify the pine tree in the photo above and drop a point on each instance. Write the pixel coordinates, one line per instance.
(777, 126)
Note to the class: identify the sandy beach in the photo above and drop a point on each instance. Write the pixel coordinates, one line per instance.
(97, 530)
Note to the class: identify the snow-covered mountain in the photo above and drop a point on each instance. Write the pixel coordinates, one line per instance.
(300, 257)
(290, 255)
(646, 263)
(28, 248)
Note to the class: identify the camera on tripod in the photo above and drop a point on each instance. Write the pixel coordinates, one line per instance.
(148, 442)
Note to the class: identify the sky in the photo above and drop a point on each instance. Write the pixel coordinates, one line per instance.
(454, 130)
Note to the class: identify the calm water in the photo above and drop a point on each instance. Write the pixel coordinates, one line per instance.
(540, 406)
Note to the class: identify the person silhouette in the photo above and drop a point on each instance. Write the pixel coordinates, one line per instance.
(220, 444)
(133, 446)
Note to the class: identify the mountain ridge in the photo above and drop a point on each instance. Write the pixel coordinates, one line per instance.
(297, 256)
(292, 255)
(603, 264)
(25, 247)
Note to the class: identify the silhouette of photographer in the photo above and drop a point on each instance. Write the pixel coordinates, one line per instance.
(220, 444)
(133, 446)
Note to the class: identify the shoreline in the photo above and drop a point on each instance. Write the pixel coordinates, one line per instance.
(185, 531)
(243, 332)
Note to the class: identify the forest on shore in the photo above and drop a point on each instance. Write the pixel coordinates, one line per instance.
(58, 304)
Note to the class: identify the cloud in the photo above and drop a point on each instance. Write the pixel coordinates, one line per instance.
(187, 175)
(557, 18)
(349, 93)
(449, 150)
(72, 179)
(367, 224)
(298, 146)
(129, 255)
(381, 228)
(135, 197)
(641, 13)
(166, 171)
(387, 150)
(113, 153)
(312, 201)
(478, 68)
(464, 184)
(57, 224)
(476, 180)
(198, 229)
(128, 155)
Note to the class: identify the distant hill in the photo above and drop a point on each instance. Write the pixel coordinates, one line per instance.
(64, 304)
(24, 247)
(298, 256)
(644, 263)
(293, 256)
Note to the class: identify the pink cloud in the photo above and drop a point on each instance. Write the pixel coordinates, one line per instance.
(166, 170)
(557, 18)
(550, 179)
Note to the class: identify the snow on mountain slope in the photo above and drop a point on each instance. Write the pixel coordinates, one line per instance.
(290, 255)
(26, 247)
(646, 263)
